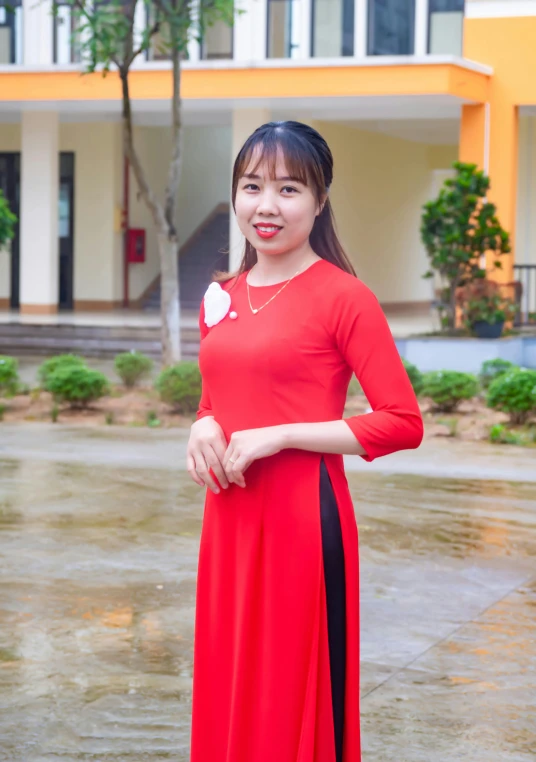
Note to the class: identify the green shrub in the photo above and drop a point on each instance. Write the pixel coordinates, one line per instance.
(152, 419)
(492, 368)
(9, 375)
(55, 363)
(77, 385)
(499, 434)
(415, 376)
(180, 386)
(514, 393)
(131, 366)
(447, 388)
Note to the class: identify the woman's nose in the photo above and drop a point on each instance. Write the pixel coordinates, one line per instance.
(267, 204)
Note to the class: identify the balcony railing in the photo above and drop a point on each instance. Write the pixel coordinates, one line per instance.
(10, 32)
(525, 279)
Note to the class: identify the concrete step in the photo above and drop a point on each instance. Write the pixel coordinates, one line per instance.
(91, 341)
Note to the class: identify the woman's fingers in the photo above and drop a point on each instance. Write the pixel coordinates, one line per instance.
(215, 463)
(190, 467)
(200, 471)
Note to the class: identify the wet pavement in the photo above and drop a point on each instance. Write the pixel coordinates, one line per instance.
(99, 534)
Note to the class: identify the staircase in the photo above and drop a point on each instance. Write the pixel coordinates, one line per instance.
(198, 258)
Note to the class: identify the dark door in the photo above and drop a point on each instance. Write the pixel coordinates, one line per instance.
(10, 185)
(66, 230)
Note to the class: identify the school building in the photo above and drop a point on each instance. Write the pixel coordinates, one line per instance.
(399, 88)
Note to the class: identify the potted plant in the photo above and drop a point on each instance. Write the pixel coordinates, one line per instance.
(484, 309)
(460, 229)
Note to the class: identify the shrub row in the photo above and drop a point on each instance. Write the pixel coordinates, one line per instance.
(68, 378)
(504, 386)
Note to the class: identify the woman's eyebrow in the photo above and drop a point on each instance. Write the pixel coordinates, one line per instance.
(251, 176)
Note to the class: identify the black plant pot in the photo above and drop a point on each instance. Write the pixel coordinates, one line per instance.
(485, 330)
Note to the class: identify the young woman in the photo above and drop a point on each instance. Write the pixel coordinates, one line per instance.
(276, 645)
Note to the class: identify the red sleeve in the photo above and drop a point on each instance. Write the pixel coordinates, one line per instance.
(204, 408)
(365, 341)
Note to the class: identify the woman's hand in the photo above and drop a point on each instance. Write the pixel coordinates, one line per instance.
(206, 448)
(247, 446)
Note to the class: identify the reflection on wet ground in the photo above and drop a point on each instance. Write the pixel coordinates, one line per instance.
(98, 573)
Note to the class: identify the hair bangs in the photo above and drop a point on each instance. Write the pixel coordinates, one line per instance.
(265, 149)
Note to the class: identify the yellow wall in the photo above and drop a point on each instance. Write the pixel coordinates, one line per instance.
(380, 184)
(96, 243)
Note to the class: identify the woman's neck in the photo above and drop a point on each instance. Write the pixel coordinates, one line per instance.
(275, 268)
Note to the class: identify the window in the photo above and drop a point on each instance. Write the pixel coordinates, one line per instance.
(10, 32)
(283, 28)
(66, 48)
(391, 27)
(332, 32)
(445, 27)
(217, 41)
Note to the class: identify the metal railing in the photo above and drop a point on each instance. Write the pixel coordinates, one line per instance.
(525, 280)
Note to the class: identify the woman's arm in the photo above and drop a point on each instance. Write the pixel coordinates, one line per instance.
(365, 341)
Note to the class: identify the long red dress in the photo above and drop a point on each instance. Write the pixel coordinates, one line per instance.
(261, 671)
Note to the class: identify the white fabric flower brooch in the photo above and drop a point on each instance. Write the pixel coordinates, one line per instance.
(217, 303)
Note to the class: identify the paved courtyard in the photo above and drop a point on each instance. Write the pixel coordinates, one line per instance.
(99, 533)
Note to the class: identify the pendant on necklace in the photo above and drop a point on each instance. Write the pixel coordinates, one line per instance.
(255, 312)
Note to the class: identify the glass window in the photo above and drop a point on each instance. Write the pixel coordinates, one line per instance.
(332, 28)
(283, 28)
(11, 32)
(391, 27)
(66, 48)
(217, 41)
(445, 27)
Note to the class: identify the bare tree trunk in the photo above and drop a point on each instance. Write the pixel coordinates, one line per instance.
(169, 298)
(166, 238)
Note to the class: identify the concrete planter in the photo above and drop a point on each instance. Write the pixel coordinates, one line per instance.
(466, 353)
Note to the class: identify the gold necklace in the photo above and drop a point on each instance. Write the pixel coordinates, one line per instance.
(272, 297)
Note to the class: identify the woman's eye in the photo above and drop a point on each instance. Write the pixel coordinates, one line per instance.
(251, 185)
(290, 188)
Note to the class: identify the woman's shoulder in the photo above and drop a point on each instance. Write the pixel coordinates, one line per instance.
(341, 284)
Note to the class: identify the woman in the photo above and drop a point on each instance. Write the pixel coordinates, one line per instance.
(276, 646)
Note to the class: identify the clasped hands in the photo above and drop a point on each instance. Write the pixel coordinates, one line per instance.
(208, 449)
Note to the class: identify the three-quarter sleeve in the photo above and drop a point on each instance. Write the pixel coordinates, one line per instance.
(205, 407)
(365, 341)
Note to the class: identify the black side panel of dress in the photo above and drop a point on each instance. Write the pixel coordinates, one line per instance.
(333, 554)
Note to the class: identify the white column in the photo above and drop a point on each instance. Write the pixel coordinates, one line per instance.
(245, 121)
(360, 28)
(37, 32)
(421, 27)
(250, 30)
(304, 13)
(39, 213)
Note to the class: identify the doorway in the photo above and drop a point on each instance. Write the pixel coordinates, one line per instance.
(66, 230)
(10, 186)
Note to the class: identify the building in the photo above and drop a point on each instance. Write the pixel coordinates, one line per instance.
(399, 88)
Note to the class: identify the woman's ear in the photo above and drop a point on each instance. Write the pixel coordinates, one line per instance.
(322, 204)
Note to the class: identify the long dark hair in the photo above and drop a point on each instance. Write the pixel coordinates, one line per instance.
(308, 158)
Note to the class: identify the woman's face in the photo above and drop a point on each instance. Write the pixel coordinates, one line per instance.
(276, 216)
